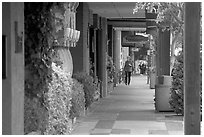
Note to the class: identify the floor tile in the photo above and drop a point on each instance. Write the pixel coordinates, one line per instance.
(139, 132)
(81, 131)
(120, 131)
(97, 131)
(129, 110)
(174, 126)
(88, 124)
(141, 125)
(100, 134)
(102, 116)
(158, 132)
(176, 132)
(136, 116)
(105, 124)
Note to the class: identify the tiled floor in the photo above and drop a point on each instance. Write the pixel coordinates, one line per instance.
(129, 110)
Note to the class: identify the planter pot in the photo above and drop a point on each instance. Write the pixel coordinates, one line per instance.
(162, 93)
(164, 80)
(152, 80)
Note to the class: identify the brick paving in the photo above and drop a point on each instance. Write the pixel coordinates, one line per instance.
(129, 110)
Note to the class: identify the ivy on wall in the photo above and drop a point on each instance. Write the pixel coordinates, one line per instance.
(42, 36)
(37, 50)
(44, 31)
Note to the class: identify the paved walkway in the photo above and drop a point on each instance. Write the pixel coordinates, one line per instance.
(129, 110)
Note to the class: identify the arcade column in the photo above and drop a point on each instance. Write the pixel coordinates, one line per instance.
(110, 40)
(116, 52)
(163, 53)
(102, 57)
(163, 83)
(192, 76)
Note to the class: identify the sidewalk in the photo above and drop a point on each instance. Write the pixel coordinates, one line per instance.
(129, 110)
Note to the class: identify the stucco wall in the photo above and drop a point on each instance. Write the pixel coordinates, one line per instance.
(13, 86)
(6, 83)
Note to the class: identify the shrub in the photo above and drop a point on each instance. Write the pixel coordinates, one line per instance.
(78, 100)
(34, 115)
(58, 102)
(110, 69)
(90, 87)
(177, 91)
(37, 49)
(177, 96)
(37, 64)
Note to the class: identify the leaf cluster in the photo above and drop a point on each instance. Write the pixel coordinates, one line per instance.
(58, 102)
(35, 116)
(90, 87)
(78, 99)
(170, 15)
(37, 49)
(110, 68)
(177, 96)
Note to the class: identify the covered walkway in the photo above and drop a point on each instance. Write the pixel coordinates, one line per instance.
(129, 110)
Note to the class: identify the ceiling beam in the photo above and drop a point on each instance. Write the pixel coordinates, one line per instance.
(132, 24)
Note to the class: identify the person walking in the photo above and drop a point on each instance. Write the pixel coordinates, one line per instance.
(128, 68)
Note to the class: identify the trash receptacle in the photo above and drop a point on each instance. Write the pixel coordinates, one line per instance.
(162, 93)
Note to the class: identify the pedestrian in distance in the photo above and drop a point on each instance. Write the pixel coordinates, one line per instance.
(128, 68)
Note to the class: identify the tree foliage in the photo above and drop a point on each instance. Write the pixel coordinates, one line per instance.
(170, 16)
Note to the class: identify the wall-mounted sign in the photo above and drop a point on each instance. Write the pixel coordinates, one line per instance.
(128, 39)
(134, 38)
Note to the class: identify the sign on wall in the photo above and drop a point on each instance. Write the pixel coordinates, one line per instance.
(130, 38)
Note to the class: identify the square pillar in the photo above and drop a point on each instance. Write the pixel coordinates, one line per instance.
(80, 53)
(192, 76)
(116, 52)
(13, 82)
(110, 42)
(102, 57)
(163, 53)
